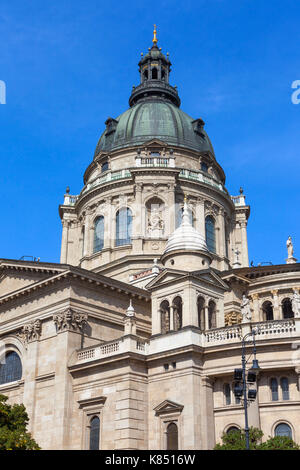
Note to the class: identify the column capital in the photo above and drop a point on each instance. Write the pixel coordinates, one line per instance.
(69, 320)
(30, 332)
(254, 296)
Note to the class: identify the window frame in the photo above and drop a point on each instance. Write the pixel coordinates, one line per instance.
(97, 247)
(91, 408)
(8, 352)
(210, 223)
(129, 216)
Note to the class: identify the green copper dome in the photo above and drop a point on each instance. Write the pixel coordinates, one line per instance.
(154, 119)
(154, 112)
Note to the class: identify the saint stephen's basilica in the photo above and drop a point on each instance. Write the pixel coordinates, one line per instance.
(131, 341)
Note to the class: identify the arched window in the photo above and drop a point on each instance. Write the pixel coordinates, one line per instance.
(227, 394)
(201, 313)
(154, 73)
(287, 311)
(233, 429)
(284, 384)
(274, 389)
(98, 234)
(165, 316)
(204, 167)
(94, 433)
(179, 217)
(267, 309)
(210, 233)
(104, 167)
(123, 226)
(212, 314)
(177, 309)
(172, 437)
(283, 429)
(11, 370)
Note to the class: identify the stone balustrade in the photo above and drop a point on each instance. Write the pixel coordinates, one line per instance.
(111, 348)
(223, 335)
(271, 329)
(70, 200)
(238, 200)
(192, 336)
(150, 162)
(157, 161)
(202, 177)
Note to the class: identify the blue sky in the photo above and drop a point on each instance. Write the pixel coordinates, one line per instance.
(70, 64)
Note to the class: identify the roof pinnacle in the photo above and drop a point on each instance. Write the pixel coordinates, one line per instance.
(154, 40)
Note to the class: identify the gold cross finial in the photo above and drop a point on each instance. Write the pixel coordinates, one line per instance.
(154, 40)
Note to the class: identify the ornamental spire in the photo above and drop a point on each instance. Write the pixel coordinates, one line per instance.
(154, 40)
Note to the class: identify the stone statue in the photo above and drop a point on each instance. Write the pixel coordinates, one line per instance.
(155, 224)
(245, 309)
(290, 248)
(296, 304)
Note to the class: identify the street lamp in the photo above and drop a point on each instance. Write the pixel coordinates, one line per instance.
(243, 380)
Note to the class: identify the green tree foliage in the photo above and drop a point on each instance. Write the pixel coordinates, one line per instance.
(236, 440)
(279, 443)
(13, 423)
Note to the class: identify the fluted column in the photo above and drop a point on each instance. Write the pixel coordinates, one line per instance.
(245, 256)
(200, 216)
(64, 241)
(206, 317)
(108, 232)
(86, 235)
(256, 311)
(207, 423)
(221, 224)
(171, 209)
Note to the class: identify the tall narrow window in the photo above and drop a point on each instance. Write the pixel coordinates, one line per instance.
(284, 384)
(165, 316)
(123, 226)
(227, 393)
(212, 314)
(274, 389)
(177, 309)
(287, 311)
(94, 433)
(11, 370)
(210, 233)
(283, 429)
(98, 234)
(267, 309)
(172, 437)
(204, 167)
(201, 313)
(104, 167)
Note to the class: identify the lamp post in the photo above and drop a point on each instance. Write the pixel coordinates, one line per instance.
(242, 380)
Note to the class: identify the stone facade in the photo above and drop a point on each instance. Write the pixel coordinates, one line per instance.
(133, 333)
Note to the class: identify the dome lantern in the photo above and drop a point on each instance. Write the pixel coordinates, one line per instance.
(154, 68)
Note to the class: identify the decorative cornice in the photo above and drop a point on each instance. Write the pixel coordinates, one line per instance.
(69, 320)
